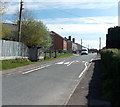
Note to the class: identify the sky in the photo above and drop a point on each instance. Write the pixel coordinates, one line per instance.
(88, 20)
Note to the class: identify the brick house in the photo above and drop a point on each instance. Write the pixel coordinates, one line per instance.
(69, 44)
(79, 47)
(59, 43)
(72, 46)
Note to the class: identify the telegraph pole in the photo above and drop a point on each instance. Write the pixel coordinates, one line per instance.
(119, 13)
(20, 21)
(81, 44)
(88, 46)
(99, 43)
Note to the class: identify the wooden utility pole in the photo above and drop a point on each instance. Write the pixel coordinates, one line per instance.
(81, 44)
(20, 21)
(119, 13)
(99, 43)
(88, 46)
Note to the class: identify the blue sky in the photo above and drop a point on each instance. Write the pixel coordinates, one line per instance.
(82, 19)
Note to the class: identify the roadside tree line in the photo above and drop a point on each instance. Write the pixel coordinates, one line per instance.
(33, 33)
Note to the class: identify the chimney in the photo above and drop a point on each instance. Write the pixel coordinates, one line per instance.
(65, 38)
(73, 40)
(69, 38)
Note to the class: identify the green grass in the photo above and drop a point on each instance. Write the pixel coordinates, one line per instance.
(58, 56)
(13, 63)
(47, 59)
(65, 55)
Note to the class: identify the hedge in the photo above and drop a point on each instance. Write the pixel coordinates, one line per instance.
(111, 72)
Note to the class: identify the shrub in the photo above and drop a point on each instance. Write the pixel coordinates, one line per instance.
(111, 72)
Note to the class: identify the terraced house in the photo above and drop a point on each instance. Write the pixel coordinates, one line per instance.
(59, 43)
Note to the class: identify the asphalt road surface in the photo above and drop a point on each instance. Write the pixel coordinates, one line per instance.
(51, 84)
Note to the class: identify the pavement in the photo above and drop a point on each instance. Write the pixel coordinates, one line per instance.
(89, 90)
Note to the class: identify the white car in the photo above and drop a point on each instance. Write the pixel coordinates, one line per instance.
(84, 52)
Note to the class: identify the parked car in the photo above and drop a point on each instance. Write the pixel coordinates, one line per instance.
(84, 52)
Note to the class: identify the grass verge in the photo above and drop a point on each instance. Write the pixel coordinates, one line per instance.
(59, 56)
(65, 55)
(18, 62)
(13, 63)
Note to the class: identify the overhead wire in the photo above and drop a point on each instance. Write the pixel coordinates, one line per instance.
(66, 12)
(51, 16)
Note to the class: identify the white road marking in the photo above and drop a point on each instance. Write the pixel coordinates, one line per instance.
(59, 62)
(78, 81)
(66, 62)
(83, 61)
(62, 62)
(83, 70)
(91, 60)
(70, 63)
(35, 69)
(77, 61)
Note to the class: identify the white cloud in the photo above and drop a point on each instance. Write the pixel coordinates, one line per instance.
(90, 33)
(94, 43)
(62, 0)
(81, 25)
(70, 5)
(84, 28)
(82, 20)
(74, 26)
(7, 21)
(11, 8)
(80, 28)
(61, 4)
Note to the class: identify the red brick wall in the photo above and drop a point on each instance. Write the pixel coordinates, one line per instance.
(58, 42)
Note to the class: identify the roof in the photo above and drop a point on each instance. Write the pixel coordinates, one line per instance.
(57, 35)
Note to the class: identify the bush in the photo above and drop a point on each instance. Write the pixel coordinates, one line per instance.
(111, 73)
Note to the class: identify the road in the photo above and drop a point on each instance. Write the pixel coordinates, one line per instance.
(51, 84)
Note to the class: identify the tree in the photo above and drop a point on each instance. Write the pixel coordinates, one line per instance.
(35, 34)
(6, 33)
(2, 7)
(26, 14)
